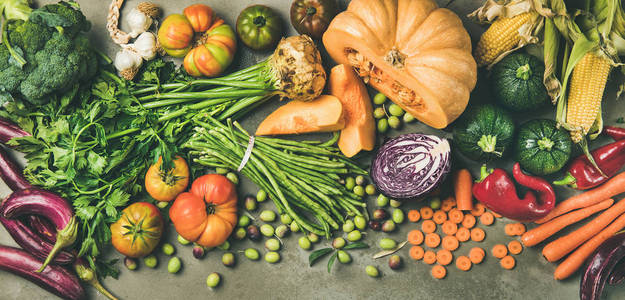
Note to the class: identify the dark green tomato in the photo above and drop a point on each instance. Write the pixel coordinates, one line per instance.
(259, 27)
(312, 17)
(542, 148)
(484, 133)
(517, 82)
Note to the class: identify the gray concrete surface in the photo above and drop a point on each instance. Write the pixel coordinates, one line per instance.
(292, 278)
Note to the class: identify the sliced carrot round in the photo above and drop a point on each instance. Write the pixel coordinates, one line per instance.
(444, 257)
(463, 263)
(449, 228)
(515, 247)
(429, 257)
(478, 209)
(439, 272)
(519, 228)
(468, 221)
(414, 216)
(432, 240)
(476, 254)
(507, 262)
(463, 234)
(439, 217)
(487, 218)
(456, 216)
(426, 212)
(499, 250)
(415, 237)
(509, 229)
(477, 234)
(428, 226)
(450, 243)
(448, 204)
(416, 252)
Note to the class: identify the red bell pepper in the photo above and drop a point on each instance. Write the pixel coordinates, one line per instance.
(582, 175)
(497, 191)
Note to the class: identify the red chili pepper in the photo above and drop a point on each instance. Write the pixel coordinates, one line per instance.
(617, 133)
(582, 175)
(497, 191)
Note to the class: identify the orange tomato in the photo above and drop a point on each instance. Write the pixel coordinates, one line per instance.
(138, 230)
(166, 185)
(208, 212)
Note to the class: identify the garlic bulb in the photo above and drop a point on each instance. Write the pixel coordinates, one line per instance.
(145, 45)
(138, 22)
(127, 62)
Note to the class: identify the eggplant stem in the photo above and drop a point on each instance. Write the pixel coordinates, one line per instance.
(64, 237)
(87, 275)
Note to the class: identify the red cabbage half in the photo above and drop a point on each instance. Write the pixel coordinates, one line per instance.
(411, 165)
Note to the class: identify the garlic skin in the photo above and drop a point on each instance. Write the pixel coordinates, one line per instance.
(145, 45)
(127, 62)
(138, 22)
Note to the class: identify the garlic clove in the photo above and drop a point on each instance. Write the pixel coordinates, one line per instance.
(145, 45)
(127, 62)
(138, 22)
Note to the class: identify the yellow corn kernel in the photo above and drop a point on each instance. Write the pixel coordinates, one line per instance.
(585, 93)
(500, 37)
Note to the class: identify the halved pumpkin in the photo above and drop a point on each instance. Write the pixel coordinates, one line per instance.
(415, 53)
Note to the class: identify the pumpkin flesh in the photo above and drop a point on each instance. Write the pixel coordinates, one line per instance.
(417, 54)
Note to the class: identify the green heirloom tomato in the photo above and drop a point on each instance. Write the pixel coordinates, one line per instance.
(259, 27)
(541, 147)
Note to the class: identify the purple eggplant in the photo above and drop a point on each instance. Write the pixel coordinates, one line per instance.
(11, 173)
(618, 273)
(9, 130)
(54, 279)
(599, 267)
(45, 204)
(32, 242)
(42, 227)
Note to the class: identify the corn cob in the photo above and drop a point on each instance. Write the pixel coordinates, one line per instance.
(585, 93)
(501, 36)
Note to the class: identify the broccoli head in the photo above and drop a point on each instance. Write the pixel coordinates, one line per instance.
(63, 14)
(28, 36)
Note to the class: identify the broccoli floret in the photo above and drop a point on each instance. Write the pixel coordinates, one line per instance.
(29, 36)
(10, 76)
(89, 63)
(78, 22)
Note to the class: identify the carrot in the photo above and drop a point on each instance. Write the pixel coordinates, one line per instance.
(468, 221)
(487, 219)
(463, 263)
(476, 254)
(462, 189)
(449, 228)
(562, 246)
(511, 229)
(463, 234)
(444, 257)
(477, 234)
(496, 214)
(507, 262)
(577, 258)
(456, 216)
(515, 247)
(429, 257)
(439, 217)
(450, 201)
(428, 226)
(478, 209)
(416, 252)
(415, 237)
(439, 272)
(519, 228)
(426, 212)
(545, 230)
(450, 243)
(432, 240)
(414, 216)
(611, 188)
(499, 250)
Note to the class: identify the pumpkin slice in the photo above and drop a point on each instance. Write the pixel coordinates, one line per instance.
(415, 53)
(359, 131)
(320, 115)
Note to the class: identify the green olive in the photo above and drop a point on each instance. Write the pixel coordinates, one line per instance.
(348, 226)
(343, 257)
(294, 227)
(360, 180)
(359, 190)
(304, 243)
(272, 244)
(267, 230)
(272, 257)
(394, 122)
(162, 204)
(370, 189)
(395, 110)
(168, 249)
(150, 261)
(387, 244)
(379, 113)
(233, 177)
(313, 237)
(408, 118)
(252, 254)
(261, 196)
(372, 271)
(250, 203)
(395, 203)
(360, 222)
(286, 219)
(240, 233)
(354, 236)
(398, 215)
(228, 259)
(243, 221)
(130, 263)
(224, 246)
(350, 183)
(281, 231)
(182, 240)
(388, 226)
(267, 216)
(382, 125)
(221, 171)
(382, 200)
(338, 243)
(174, 265)
(435, 203)
(213, 280)
(379, 99)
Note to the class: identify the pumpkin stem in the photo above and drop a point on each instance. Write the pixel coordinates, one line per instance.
(260, 21)
(310, 11)
(395, 58)
(545, 144)
(488, 143)
(524, 72)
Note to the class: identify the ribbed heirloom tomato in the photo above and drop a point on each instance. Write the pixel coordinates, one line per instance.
(166, 185)
(208, 212)
(203, 39)
(138, 230)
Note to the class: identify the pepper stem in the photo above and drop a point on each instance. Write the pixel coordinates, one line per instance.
(567, 180)
(488, 143)
(545, 144)
(524, 72)
(87, 275)
(64, 237)
(484, 172)
(584, 144)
